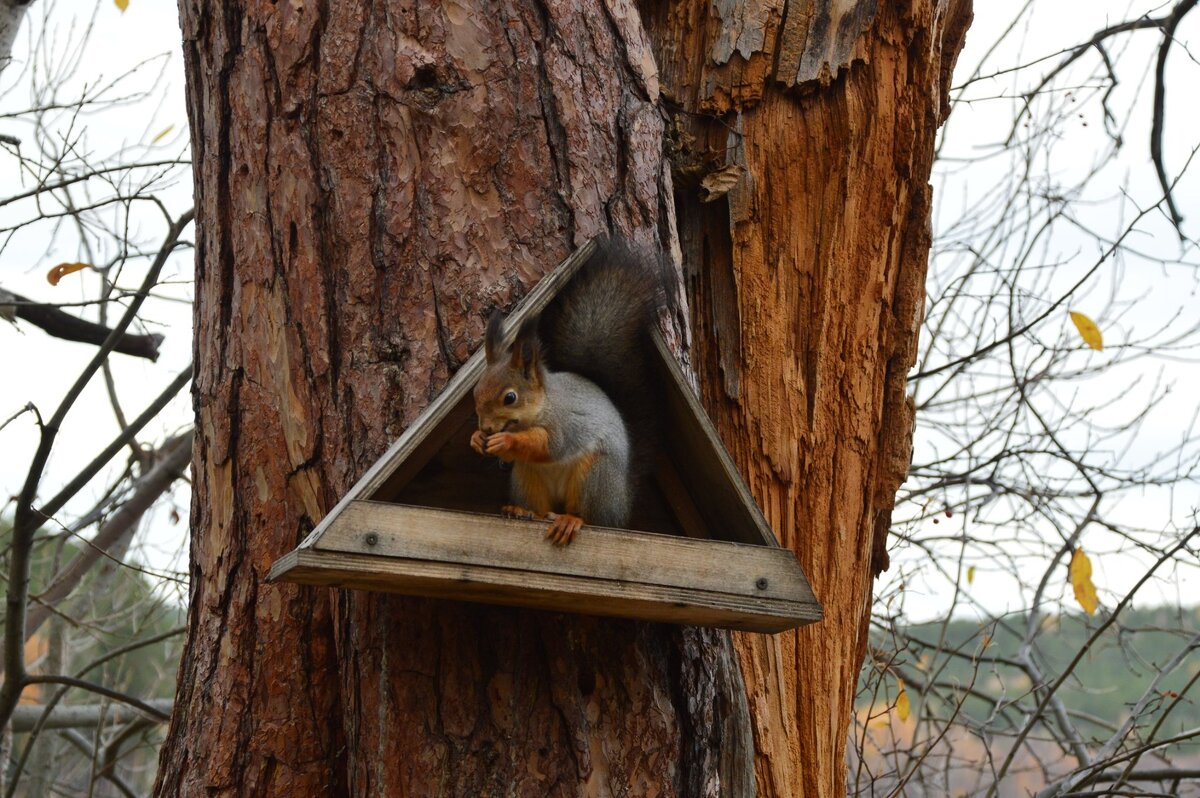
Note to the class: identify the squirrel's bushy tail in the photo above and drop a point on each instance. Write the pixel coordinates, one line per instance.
(600, 327)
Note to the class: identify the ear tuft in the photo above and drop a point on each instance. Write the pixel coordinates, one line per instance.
(493, 339)
(527, 350)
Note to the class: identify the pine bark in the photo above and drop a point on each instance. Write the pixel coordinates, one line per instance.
(806, 286)
(371, 178)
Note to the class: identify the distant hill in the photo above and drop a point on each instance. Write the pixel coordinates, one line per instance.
(1109, 679)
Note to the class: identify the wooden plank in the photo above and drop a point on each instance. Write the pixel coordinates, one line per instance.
(618, 555)
(678, 498)
(548, 592)
(560, 592)
(418, 443)
(704, 464)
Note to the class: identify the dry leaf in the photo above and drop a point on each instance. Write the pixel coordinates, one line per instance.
(971, 575)
(717, 184)
(1088, 331)
(1080, 573)
(122, 4)
(163, 134)
(902, 707)
(63, 269)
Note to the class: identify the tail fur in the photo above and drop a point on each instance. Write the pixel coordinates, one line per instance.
(600, 329)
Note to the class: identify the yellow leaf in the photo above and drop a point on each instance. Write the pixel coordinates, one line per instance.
(163, 134)
(122, 4)
(63, 269)
(971, 575)
(902, 707)
(1088, 331)
(1080, 573)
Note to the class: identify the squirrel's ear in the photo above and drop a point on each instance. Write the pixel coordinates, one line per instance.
(527, 351)
(493, 340)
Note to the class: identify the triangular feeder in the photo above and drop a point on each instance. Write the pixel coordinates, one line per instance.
(423, 521)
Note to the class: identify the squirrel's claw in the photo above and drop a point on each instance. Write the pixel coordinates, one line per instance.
(500, 444)
(479, 441)
(517, 511)
(563, 528)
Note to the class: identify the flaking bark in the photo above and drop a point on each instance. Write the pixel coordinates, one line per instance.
(372, 178)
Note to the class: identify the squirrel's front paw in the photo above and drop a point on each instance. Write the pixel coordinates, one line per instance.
(563, 528)
(479, 441)
(502, 445)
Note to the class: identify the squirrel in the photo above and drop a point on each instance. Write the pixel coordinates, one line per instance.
(570, 403)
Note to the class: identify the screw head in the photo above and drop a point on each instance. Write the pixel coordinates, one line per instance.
(761, 583)
(372, 539)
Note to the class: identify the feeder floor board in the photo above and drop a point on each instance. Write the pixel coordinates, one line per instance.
(448, 554)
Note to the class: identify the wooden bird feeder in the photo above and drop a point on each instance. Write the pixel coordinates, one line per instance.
(424, 521)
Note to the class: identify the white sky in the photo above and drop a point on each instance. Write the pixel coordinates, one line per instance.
(1153, 294)
(34, 367)
(37, 369)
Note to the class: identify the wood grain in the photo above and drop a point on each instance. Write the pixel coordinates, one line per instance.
(622, 557)
(419, 551)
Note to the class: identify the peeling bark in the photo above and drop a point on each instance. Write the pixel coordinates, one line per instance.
(371, 179)
(806, 283)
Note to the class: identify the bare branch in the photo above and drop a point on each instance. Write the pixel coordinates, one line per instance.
(84, 746)
(29, 521)
(81, 716)
(61, 324)
(1053, 688)
(1170, 24)
(116, 695)
(178, 454)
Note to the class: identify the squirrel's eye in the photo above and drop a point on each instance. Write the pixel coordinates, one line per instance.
(510, 398)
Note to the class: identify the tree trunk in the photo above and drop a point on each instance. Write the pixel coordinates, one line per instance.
(371, 178)
(806, 285)
(11, 14)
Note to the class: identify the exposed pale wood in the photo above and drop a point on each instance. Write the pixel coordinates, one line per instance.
(437, 553)
(805, 284)
(819, 39)
(444, 415)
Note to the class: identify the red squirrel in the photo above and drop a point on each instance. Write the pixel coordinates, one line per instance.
(570, 403)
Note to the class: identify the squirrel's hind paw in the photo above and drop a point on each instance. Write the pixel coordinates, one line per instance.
(516, 511)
